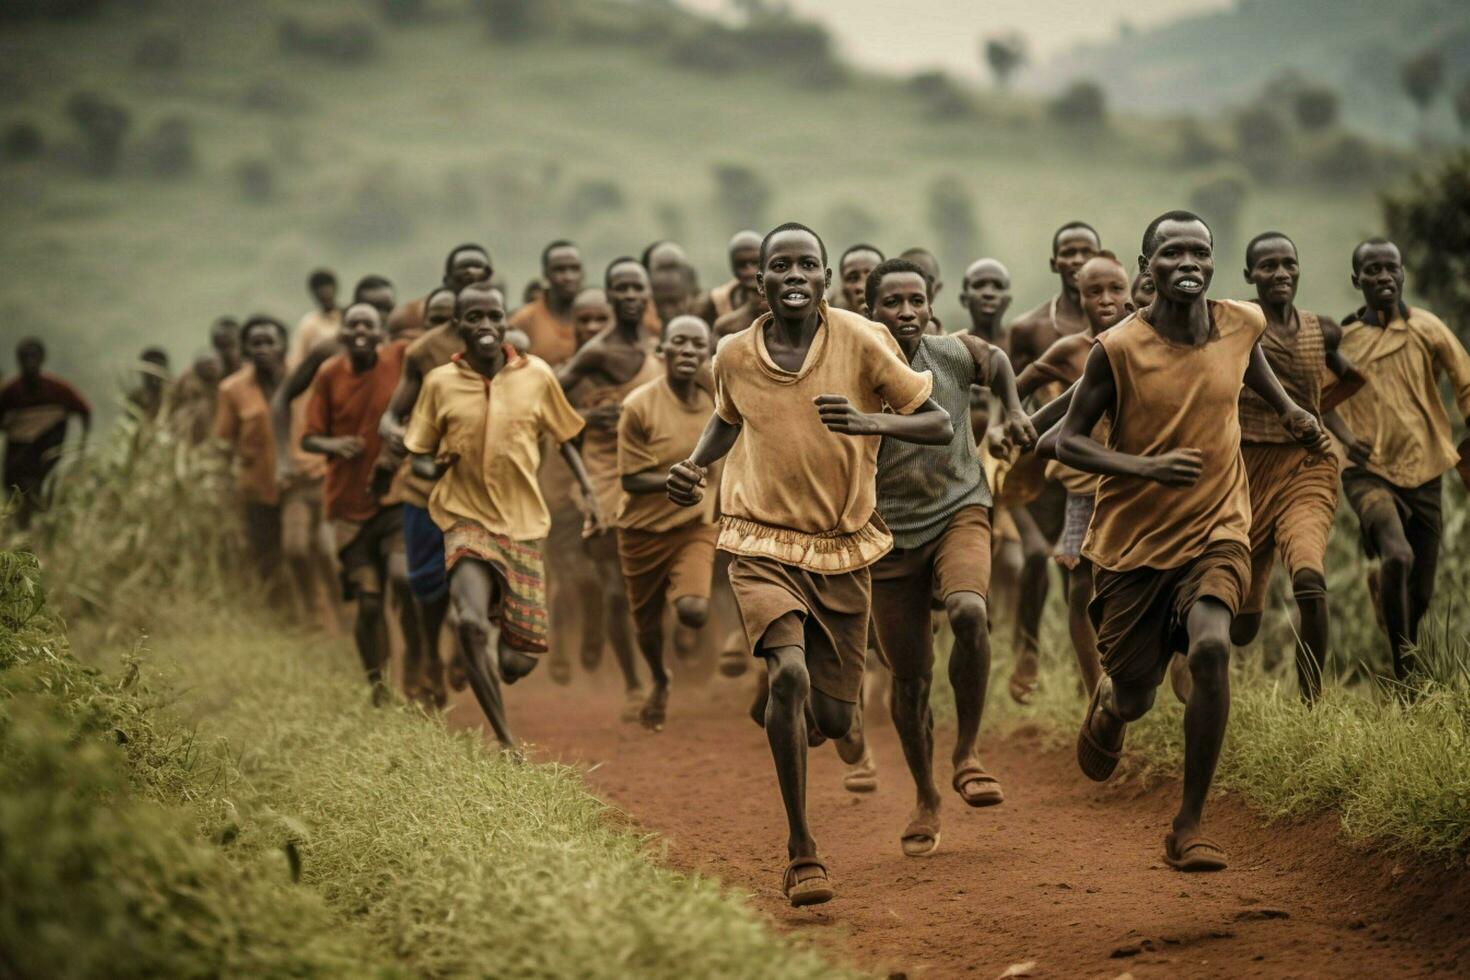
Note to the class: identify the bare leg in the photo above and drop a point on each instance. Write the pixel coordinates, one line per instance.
(1310, 590)
(1387, 534)
(371, 634)
(1208, 709)
(1031, 593)
(473, 590)
(969, 672)
(690, 615)
(1079, 624)
(915, 725)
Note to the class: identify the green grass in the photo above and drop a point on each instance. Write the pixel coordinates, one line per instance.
(220, 798)
(448, 138)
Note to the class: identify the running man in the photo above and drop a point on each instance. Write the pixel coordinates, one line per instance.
(672, 283)
(1170, 532)
(986, 297)
(347, 400)
(147, 399)
(795, 396)
(854, 267)
(744, 251)
(667, 552)
(547, 320)
(1395, 488)
(476, 430)
(928, 263)
(34, 410)
(1293, 494)
(604, 373)
(463, 265)
(936, 503)
(196, 395)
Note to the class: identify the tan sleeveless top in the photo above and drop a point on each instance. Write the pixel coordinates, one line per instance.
(1298, 361)
(1170, 397)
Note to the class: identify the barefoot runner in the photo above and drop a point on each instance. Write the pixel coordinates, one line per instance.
(476, 430)
(604, 372)
(1401, 419)
(1170, 531)
(936, 503)
(667, 552)
(795, 396)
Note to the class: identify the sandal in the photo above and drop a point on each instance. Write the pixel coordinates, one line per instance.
(560, 669)
(1096, 760)
(1194, 852)
(1023, 686)
(921, 837)
(976, 786)
(862, 775)
(813, 889)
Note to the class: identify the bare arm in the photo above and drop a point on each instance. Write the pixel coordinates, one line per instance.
(1094, 395)
(1004, 385)
(292, 387)
(1049, 415)
(573, 457)
(1302, 425)
(928, 425)
(400, 405)
(686, 480)
(648, 481)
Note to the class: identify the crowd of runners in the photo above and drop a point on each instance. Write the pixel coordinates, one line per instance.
(810, 473)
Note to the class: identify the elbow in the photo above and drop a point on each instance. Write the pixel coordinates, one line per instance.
(1065, 447)
(940, 430)
(1046, 447)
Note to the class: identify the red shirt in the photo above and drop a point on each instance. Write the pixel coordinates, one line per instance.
(346, 403)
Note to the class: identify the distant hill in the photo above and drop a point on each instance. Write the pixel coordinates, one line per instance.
(1218, 59)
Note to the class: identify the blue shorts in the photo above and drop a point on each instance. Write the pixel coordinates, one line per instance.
(424, 544)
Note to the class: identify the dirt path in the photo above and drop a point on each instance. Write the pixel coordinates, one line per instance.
(1066, 873)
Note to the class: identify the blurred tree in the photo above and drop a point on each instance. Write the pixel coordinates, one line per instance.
(104, 125)
(159, 51)
(256, 178)
(943, 97)
(1083, 104)
(1315, 107)
(1462, 104)
(403, 11)
(743, 196)
(1263, 137)
(848, 223)
(21, 141)
(1422, 76)
(346, 42)
(593, 197)
(1004, 55)
(1198, 145)
(1220, 200)
(1430, 222)
(512, 21)
(168, 151)
(954, 219)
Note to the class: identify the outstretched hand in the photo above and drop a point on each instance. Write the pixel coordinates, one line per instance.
(1176, 468)
(839, 415)
(686, 483)
(1305, 429)
(1020, 431)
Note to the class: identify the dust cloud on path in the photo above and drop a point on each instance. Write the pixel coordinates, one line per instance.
(1065, 873)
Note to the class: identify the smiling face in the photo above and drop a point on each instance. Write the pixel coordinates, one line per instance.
(856, 268)
(1103, 287)
(564, 273)
(469, 265)
(1380, 275)
(1074, 247)
(1274, 271)
(628, 292)
(1183, 262)
(686, 347)
(361, 331)
(481, 321)
(987, 289)
(591, 314)
(902, 305)
(794, 277)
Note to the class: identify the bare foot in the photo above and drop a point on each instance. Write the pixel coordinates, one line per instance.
(656, 709)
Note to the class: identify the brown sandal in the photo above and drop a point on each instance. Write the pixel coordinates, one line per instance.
(811, 890)
(921, 837)
(1194, 852)
(1096, 760)
(988, 792)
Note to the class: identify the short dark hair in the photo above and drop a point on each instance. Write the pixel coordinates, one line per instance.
(1056, 238)
(1151, 233)
(1363, 246)
(30, 343)
(154, 355)
(1255, 243)
(552, 246)
(790, 226)
(319, 278)
(620, 260)
(435, 292)
(262, 320)
(663, 333)
(466, 247)
(889, 267)
(860, 247)
(475, 287)
(369, 282)
(226, 321)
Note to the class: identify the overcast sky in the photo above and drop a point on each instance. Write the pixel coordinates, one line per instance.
(903, 36)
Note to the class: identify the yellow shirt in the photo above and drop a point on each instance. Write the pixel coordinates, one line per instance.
(1399, 412)
(496, 427)
(656, 430)
(793, 490)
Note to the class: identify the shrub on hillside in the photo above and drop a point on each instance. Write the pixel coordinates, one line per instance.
(515, 21)
(1430, 221)
(274, 96)
(1198, 146)
(256, 179)
(103, 125)
(848, 223)
(1263, 137)
(168, 151)
(342, 42)
(1315, 107)
(1350, 159)
(1220, 200)
(767, 40)
(16, 11)
(742, 195)
(1083, 105)
(403, 11)
(159, 51)
(955, 220)
(592, 197)
(377, 207)
(21, 141)
(941, 95)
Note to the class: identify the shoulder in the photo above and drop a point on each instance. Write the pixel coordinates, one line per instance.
(235, 382)
(739, 344)
(642, 397)
(440, 376)
(1129, 331)
(1034, 317)
(1424, 320)
(533, 369)
(335, 368)
(865, 331)
(1232, 315)
(1331, 329)
(1068, 347)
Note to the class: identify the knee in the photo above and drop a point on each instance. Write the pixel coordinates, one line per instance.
(1209, 660)
(693, 611)
(369, 605)
(1309, 585)
(295, 549)
(1397, 556)
(834, 718)
(910, 695)
(514, 664)
(790, 682)
(1132, 703)
(1243, 628)
(967, 613)
(472, 626)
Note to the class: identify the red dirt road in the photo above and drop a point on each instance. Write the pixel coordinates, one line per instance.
(1065, 873)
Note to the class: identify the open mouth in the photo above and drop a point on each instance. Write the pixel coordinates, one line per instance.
(487, 341)
(359, 343)
(795, 297)
(1189, 284)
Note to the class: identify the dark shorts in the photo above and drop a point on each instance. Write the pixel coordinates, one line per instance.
(906, 579)
(1141, 615)
(363, 548)
(1418, 510)
(424, 544)
(660, 567)
(831, 622)
(263, 535)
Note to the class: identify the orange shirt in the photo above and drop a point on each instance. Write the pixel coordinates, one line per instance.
(345, 403)
(243, 420)
(553, 338)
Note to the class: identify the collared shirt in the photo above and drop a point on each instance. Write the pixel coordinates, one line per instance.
(344, 402)
(1400, 413)
(495, 426)
(243, 420)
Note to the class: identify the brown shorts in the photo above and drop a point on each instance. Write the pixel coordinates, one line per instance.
(301, 517)
(1141, 615)
(664, 566)
(1293, 500)
(363, 548)
(905, 579)
(833, 618)
(1419, 510)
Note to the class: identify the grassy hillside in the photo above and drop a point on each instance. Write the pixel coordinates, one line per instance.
(592, 131)
(1222, 58)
